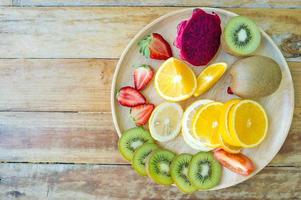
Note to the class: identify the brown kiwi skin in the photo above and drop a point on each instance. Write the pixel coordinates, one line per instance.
(226, 48)
(255, 76)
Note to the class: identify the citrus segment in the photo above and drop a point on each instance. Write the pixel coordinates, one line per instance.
(175, 80)
(165, 121)
(208, 77)
(227, 147)
(224, 128)
(206, 123)
(248, 123)
(187, 129)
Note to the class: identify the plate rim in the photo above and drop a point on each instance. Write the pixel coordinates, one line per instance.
(208, 9)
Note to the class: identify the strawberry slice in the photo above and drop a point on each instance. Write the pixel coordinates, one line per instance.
(155, 46)
(142, 113)
(130, 97)
(142, 76)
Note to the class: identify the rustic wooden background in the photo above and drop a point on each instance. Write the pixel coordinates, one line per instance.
(57, 139)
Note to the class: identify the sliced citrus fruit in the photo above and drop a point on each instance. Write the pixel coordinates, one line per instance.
(227, 147)
(205, 123)
(248, 123)
(224, 128)
(175, 80)
(209, 76)
(165, 121)
(187, 133)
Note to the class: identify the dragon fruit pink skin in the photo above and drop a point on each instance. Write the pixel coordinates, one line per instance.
(199, 37)
(180, 29)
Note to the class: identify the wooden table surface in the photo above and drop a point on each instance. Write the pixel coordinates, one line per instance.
(57, 139)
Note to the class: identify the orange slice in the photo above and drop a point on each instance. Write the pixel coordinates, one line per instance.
(206, 122)
(248, 123)
(208, 77)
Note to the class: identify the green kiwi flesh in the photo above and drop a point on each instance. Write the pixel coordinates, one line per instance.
(140, 156)
(158, 166)
(204, 170)
(179, 173)
(131, 139)
(241, 36)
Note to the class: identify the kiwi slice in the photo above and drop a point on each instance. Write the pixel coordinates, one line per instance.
(204, 171)
(131, 139)
(179, 172)
(158, 166)
(241, 36)
(140, 155)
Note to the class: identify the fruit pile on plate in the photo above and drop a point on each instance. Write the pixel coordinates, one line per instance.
(218, 130)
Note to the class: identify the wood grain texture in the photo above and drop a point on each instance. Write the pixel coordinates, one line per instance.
(208, 3)
(88, 138)
(58, 137)
(70, 84)
(56, 85)
(103, 32)
(78, 182)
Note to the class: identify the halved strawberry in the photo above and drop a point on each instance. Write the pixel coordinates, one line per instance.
(142, 113)
(142, 76)
(238, 163)
(155, 46)
(130, 97)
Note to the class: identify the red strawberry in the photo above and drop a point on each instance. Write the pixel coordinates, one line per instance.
(142, 113)
(142, 76)
(229, 91)
(155, 46)
(130, 97)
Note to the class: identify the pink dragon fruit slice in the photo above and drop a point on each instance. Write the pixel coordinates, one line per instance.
(199, 37)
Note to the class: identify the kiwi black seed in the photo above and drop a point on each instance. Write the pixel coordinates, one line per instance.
(204, 170)
(179, 173)
(158, 166)
(140, 156)
(131, 139)
(241, 36)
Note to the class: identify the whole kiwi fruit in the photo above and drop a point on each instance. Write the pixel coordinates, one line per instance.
(255, 76)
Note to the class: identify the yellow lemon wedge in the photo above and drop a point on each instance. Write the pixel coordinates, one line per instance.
(206, 123)
(208, 77)
(165, 121)
(248, 123)
(175, 80)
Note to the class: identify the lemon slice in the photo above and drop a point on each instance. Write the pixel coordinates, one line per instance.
(248, 123)
(187, 133)
(224, 128)
(175, 80)
(208, 77)
(165, 121)
(206, 122)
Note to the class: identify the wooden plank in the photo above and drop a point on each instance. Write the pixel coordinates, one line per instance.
(208, 3)
(103, 32)
(69, 84)
(77, 182)
(58, 137)
(56, 85)
(88, 138)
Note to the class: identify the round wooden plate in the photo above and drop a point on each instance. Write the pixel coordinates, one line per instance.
(279, 106)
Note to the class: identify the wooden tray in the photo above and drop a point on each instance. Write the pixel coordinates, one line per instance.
(279, 106)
